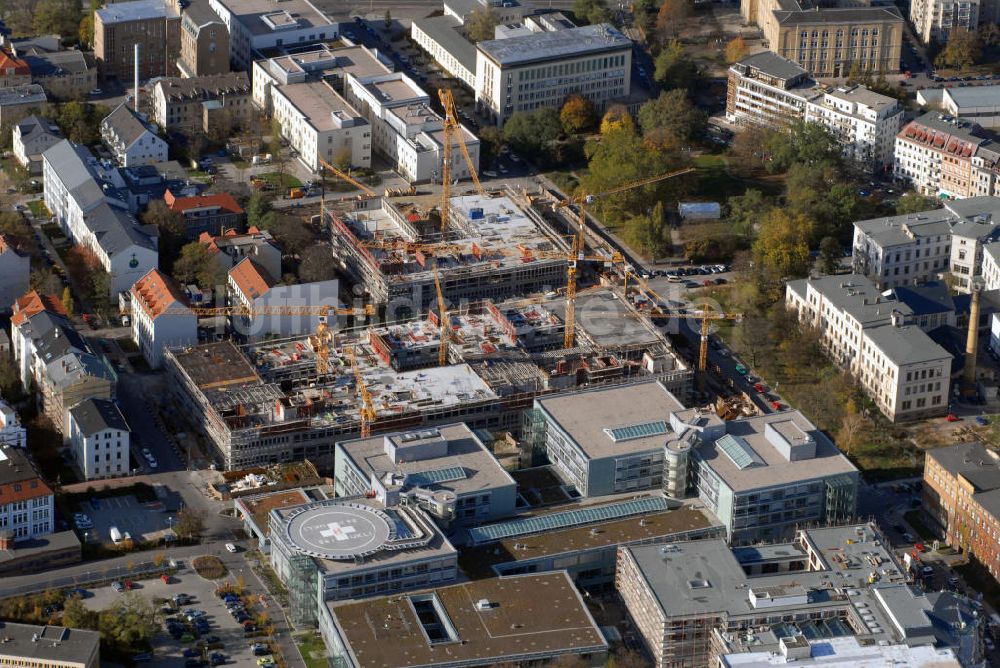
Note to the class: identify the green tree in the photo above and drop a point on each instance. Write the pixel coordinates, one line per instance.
(745, 212)
(189, 524)
(170, 225)
(76, 615)
(962, 50)
(61, 17)
(591, 11)
(481, 24)
(781, 249)
(914, 203)
(16, 230)
(577, 114)
(829, 255)
(649, 233)
(257, 207)
(674, 69)
(10, 382)
(673, 113)
(197, 265)
(529, 132)
(316, 264)
(490, 144)
(131, 621)
(803, 144)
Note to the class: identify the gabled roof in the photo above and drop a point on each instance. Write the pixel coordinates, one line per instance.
(15, 469)
(97, 415)
(32, 303)
(156, 292)
(36, 126)
(70, 162)
(251, 279)
(217, 200)
(59, 63)
(116, 231)
(7, 246)
(8, 61)
(125, 125)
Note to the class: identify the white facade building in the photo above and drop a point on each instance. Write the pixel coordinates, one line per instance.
(320, 124)
(539, 70)
(935, 19)
(11, 432)
(32, 136)
(898, 365)
(768, 90)
(252, 287)
(99, 438)
(864, 121)
(160, 317)
(27, 504)
(440, 36)
(255, 25)
(406, 130)
(129, 139)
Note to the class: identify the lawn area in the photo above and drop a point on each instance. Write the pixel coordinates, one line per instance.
(314, 652)
(283, 181)
(915, 518)
(39, 210)
(566, 181)
(715, 182)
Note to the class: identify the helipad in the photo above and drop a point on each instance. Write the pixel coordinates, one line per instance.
(339, 530)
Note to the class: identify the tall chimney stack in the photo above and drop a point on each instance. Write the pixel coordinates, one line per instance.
(135, 99)
(972, 344)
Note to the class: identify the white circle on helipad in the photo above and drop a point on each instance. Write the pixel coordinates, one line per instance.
(339, 530)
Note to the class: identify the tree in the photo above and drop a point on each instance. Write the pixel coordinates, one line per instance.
(170, 225)
(15, 229)
(673, 113)
(490, 144)
(736, 50)
(617, 118)
(963, 49)
(76, 615)
(529, 132)
(10, 382)
(748, 150)
(829, 255)
(61, 17)
(649, 233)
(803, 144)
(43, 280)
(745, 212)
(189, 524)
(674, 69)
(388, 19)
(577, 115)
(481, 24)
(591, 11)
(257, 207)
(914, 203)
(781, 249)
(989, 34)
(291, 233)
(67, 301)
(670, 17)
(316, 264)
(131, 621)
(342, 158)
(195, 264)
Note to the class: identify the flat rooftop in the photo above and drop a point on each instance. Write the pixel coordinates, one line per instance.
(528, 615)
(849, 652)
(480, 469)
(137, 10)
(866, 96)
(484, 233)
(255, 15)
(356, 60)
(971, 97)
(773, 468)
(260, 507)
(591, 418)
(216, 365)
(607, 321)
(322, 106)
(549, 46)
(395, 91)
(478, 562)
(48, 645)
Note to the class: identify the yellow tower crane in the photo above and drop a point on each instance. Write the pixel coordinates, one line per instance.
(367, 409)
(343, 176)
(703, 312)
(443, 318)
(452, 130)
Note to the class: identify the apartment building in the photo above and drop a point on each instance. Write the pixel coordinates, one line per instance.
(27, 506)
(129, 139)
(204, 41)
(441, 37)
(830, 39)
(63, 75)
(445, 470)
(14, 71)
(252, 287)
(32, 136)
(33, 646)
(934, 155)
(16, 102)
(15, 270)
(933, 20)
(320, 124)
(257, 25)
(26, 306)
(12, 433)
(919, 247)
(406, 130)
(897, 364)
(211, 214)
(527, 72)
(962, 494)
(864, 122)
(704, 603)
(160, 317)
(768, 90)
(152, 25)
(98, 439)
(552, 628)
(195, 104)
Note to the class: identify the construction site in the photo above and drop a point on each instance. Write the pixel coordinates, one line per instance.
(491, 249)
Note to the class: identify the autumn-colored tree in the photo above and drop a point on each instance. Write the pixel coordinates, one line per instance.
(481, 24)
(736, 50)
(617, 118)
(670, 17)
(963, 49)
(578, 114)
(67, 301)
(782, 245)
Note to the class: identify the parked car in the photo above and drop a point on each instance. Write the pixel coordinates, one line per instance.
(118, 587)
(230, 547)
(191, 651)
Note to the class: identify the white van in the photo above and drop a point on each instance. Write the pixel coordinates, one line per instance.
(116, 535)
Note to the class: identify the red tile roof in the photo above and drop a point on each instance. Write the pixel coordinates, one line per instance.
(251, 279)
(10, 62)
(32, 303)
(224, 201)
(155, 292)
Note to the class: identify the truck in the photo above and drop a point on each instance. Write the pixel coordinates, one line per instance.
(296, 193)
(264, 159)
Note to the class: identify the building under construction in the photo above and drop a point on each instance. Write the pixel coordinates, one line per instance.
(269, 402)
(494, 250)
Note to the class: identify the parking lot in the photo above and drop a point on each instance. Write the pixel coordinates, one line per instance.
(142, 521)
(223, 629)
